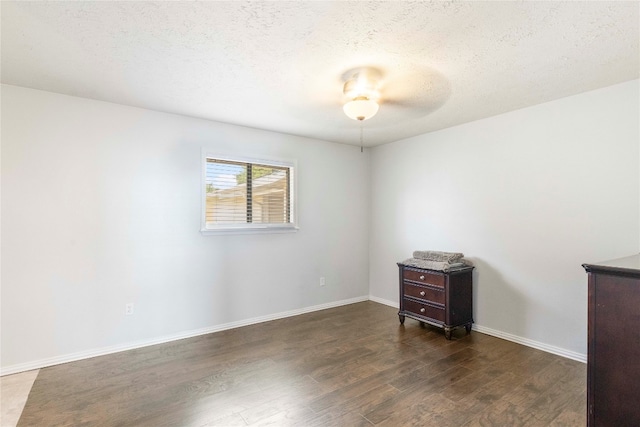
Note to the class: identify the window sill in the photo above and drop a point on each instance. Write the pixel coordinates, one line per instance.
(248, 230)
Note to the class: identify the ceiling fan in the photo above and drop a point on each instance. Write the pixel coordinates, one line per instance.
(362, 88)
(410, 92)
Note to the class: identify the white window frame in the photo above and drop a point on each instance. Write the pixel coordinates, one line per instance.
(250, 228)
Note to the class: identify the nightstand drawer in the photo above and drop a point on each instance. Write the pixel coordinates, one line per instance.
(425, 310)
(434, 294)
(424, 277)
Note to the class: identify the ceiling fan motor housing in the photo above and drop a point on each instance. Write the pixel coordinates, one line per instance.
(364, 82)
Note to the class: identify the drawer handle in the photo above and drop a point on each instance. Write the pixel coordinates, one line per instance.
(422, 293)
(421, 277)
(422, 310)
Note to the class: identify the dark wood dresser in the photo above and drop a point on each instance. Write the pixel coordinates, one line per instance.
(613, 359)
(435, 297)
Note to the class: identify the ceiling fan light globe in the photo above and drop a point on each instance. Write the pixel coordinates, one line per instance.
(360, 109)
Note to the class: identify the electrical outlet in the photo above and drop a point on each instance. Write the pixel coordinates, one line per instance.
(322, 283)
(128, 309)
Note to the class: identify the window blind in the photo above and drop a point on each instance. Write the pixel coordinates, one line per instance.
(246, 193)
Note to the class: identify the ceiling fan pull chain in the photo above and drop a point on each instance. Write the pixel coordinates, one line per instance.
(361, 144)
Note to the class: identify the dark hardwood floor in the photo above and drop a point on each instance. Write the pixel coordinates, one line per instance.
(348, 366)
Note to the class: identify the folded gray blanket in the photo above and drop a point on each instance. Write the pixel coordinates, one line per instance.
(450, 257)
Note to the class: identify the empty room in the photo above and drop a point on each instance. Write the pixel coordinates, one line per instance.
(320, 213)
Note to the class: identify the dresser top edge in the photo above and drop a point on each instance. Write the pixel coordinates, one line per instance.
(628, 265)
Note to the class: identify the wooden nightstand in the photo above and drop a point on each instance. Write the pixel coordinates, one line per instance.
(439, 298)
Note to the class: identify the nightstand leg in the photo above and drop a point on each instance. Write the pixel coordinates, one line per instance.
(467, 327)
(447, 333)
(401, 317)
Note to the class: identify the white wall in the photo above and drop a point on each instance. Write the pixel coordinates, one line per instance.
(528, 196)
(101, 206)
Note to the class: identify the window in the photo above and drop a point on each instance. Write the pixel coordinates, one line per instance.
(244, 195)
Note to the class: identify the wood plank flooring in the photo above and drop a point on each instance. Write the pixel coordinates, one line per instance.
(349, 366)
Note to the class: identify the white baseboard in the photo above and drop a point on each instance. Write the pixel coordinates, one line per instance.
(509, 337)
(384, 301)
(531, 343)
(43, 363)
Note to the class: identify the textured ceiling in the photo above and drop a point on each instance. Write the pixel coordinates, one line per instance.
(280, 65)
